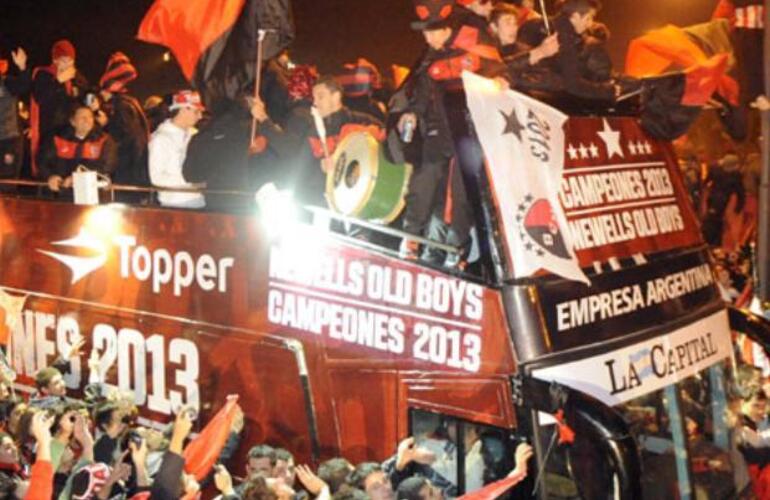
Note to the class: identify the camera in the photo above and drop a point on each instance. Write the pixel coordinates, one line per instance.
(135, 437)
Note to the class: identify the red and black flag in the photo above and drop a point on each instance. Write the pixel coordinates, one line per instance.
(682, 70)
(215, 41)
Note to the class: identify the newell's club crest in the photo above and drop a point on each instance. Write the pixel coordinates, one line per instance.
(538, 228)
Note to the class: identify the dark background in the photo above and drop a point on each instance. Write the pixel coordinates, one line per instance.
(329, 32)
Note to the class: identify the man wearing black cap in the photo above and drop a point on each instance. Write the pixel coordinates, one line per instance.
(438, 110)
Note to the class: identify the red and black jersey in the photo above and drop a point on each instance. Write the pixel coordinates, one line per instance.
(341, 123)
(62, 153)
(471, 48)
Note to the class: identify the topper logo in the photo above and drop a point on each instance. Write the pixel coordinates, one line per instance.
(162, 268)
(159, 266)
(80, 266)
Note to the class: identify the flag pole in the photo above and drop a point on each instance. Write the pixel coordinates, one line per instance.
(545, 17)
(763, 235)
(258, 79)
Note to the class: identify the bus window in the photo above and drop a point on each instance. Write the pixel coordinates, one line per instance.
(469, 455)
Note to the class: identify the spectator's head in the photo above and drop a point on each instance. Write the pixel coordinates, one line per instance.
(359, 79)
(283, 467)
(14, 419)
(256, 488)
(746, 375)
(117, 75)
(9, 453)
(505, 23)
(261, 461)
(327, 96)
(49, 380)
(418, 488)
(755, 404)
(186, 109)
(481, 8)
(88, 481)
(434, 20)
(581, 13)
(114, 417)
(335, 472)
(82, 120)
(63, 54)
(370, 477)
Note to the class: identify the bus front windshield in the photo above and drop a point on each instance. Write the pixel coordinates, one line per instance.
(687, 437)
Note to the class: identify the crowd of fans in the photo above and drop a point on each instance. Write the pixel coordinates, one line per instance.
(724, 194)
(56, 446)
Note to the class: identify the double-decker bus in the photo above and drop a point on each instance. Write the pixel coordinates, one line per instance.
(339, 347)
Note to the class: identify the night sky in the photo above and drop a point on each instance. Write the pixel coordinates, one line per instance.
(329, 32)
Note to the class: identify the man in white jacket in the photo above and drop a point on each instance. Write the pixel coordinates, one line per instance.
(168, 149)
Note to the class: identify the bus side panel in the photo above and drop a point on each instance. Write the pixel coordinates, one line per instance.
(165, 364)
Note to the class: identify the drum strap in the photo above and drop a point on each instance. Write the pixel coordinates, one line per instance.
(333, 140)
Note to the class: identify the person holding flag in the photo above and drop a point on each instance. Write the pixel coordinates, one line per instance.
(521, 134)
(437, 110)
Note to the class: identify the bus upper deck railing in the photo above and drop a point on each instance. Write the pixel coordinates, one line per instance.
(316, 212)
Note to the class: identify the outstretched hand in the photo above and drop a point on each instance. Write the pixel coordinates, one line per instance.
(310, 480)
(19, 57)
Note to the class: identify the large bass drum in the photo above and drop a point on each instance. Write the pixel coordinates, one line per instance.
(363, 183)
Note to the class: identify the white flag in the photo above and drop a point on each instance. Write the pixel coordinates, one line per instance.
(523, 141)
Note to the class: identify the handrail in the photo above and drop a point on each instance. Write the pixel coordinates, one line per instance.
(112, 188)
(130, 188)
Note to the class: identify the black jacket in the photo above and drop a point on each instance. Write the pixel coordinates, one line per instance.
(11, 88)
(128, 127)
(567, 64)
(63, 152)
(219, 156)
(54, 99)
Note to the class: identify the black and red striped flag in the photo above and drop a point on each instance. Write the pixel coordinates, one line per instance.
(215, 41)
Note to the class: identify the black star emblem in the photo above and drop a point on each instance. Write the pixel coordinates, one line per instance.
(528, 246)
(512, 124)
(519, 218)
(529, 198)
(540, 253)
(522, 207)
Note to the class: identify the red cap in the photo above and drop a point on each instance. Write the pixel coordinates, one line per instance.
(187, 99)
(62, 48)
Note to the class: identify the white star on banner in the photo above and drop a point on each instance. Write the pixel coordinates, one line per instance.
(640, 147)
(648, 147)
(594, 151)
(611, 139)
(583, 151)
(632, 147)
(573, 153)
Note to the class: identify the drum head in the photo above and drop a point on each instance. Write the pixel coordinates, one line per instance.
(350, 183)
